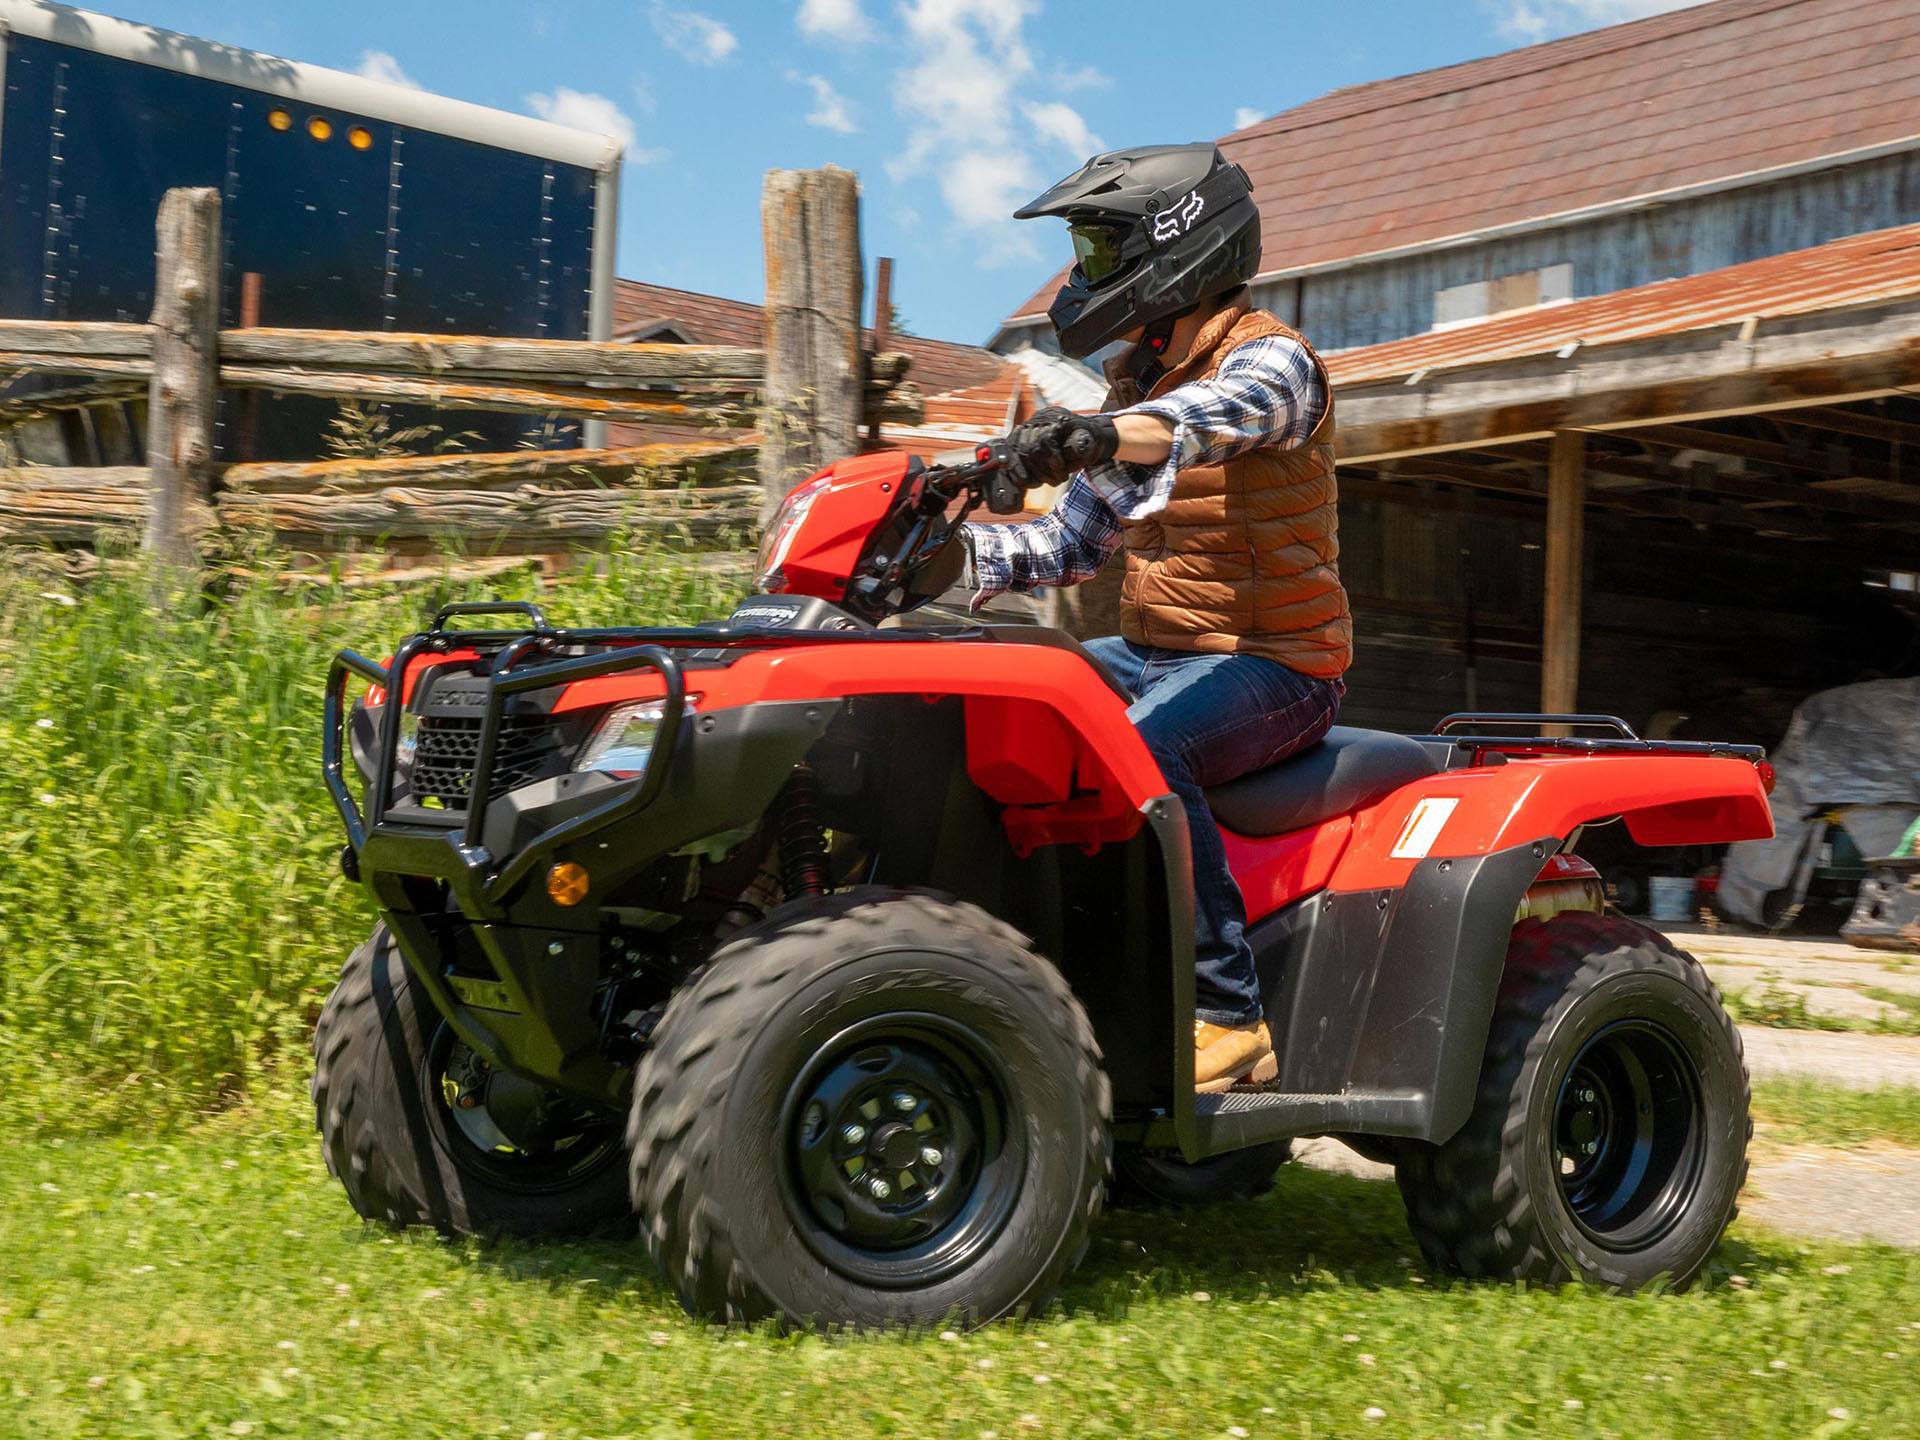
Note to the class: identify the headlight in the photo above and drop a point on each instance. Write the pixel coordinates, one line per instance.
(624, 740)
(409, 739)
(786, 525)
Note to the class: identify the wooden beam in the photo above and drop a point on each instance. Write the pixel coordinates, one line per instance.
(1853, 422)
(76, 337)
(1566, 543)
(1821, 359)
(637, 466)
(639, 406)
(1786, 457)
(557, 516)
(182, 398)
(810, 230)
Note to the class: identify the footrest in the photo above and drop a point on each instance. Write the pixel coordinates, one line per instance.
(1244, 1098)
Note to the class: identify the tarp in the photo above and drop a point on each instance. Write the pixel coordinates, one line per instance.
(1855, 749)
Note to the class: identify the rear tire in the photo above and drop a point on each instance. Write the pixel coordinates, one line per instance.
(879, 1108)
(391, 1138)
(1144, 1178)
(1608, 1138)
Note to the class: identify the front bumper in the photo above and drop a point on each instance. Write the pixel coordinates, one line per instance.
(514, 974)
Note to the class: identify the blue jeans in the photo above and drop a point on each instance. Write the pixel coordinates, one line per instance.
(1208, 719)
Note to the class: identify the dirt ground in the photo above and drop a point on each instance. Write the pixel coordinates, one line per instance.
(1871, 1193)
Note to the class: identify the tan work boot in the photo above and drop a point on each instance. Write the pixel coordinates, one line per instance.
(1225, 1056)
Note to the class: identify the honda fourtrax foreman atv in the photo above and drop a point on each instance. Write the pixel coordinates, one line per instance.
(849, 957)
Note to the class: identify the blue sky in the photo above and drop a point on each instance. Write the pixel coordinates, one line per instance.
(952, 111)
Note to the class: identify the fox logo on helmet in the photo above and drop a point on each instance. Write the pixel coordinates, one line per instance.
(1176, 220)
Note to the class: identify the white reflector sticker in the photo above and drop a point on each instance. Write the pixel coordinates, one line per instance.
(1423, 827)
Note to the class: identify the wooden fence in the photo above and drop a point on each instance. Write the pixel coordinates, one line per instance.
(773, 414)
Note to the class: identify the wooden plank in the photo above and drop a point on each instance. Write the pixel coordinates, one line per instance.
(1566, 543)
(182, 398)
(529, 513)
(452, 395)
(27, 361)
(1812, 360)
(561, 361)
(810, 232)
(78, 396)
(76, 337)
(1853, 422)
(641, 466)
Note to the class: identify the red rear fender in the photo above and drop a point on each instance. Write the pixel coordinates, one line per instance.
(1664, 799)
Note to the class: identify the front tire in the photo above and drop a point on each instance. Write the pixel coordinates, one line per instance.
(875, 1109)
(1608, 1138)
(387, 1078)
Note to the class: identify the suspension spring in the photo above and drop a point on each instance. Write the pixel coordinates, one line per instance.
(803, 839)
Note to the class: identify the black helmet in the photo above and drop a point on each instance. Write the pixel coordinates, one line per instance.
(1156, 230)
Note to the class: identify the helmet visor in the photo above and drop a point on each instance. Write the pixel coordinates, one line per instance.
(1096, 250)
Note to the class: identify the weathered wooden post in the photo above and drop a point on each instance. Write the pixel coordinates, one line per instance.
(182, 396)
(1566, 531)
(810, 222)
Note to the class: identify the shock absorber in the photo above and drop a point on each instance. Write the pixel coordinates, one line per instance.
(803, 839)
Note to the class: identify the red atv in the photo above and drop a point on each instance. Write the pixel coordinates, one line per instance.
(848, 956)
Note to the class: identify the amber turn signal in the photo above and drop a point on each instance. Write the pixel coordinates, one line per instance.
(567, 883)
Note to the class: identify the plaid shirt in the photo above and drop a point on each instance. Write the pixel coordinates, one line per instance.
(1268, 392)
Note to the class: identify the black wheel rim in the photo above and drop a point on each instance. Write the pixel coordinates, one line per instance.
(903, 1155)
(1629, 1134)
(509, 1131)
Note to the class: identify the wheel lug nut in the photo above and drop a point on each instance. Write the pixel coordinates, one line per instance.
(1590, 1147)
(854, 1134)
(931, 1156)
(880, 1188)
(903, 1101)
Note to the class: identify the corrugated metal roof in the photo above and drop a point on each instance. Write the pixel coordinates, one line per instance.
(1682, 100)
(1857, 270)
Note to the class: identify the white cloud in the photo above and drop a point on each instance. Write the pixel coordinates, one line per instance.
(1530, 21)
(1061, 124)
(693, 36)
(830, 110)
(1246, 115)
(583, 110)
(833, 20)
(379, 65)
(1084, 77)
(975, 124)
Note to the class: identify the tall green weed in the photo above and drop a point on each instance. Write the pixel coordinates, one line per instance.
(172, 912)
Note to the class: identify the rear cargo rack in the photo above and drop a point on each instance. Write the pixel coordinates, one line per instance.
(1525, 737)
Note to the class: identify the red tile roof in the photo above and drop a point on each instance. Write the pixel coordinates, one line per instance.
(1856, 270)
(1689, 98)
(638, 308)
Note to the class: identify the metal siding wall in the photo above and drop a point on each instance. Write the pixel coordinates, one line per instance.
(1389, 301)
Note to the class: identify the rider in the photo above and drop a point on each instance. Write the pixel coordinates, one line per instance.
(1211, 464)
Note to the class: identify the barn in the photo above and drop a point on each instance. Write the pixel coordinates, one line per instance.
(1625, 336)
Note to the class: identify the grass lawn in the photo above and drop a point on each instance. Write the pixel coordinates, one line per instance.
(212, 1281)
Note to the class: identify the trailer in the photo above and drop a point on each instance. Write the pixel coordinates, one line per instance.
(346, 203)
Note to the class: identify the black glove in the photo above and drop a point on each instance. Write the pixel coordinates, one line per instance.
(1047, 448)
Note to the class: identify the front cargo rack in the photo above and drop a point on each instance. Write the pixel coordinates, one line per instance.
(1526, 736)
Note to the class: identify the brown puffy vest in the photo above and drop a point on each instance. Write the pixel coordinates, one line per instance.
(1245, 556)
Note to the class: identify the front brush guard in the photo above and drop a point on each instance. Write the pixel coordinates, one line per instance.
(478, 882)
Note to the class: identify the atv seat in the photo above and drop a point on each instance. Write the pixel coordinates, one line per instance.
(1347, 770)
